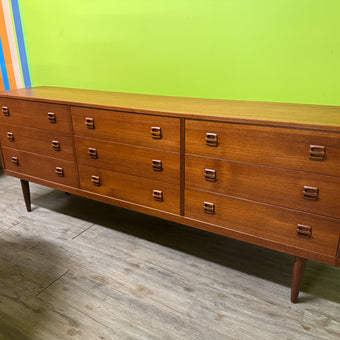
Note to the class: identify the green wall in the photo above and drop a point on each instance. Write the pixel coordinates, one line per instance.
(268, 50)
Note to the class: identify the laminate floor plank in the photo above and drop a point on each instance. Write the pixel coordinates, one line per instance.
(74, 268)
(132, 317)
(127, 274)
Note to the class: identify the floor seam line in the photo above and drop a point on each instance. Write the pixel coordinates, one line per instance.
(2, 231)
(74, 237)
(58, 278)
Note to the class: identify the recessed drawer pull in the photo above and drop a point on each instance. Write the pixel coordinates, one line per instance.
(59, 171)
(156, 132)
(310, 193)
(89, 122)
(96, 180)
(304, 231)
(157, 195)
(15, 161)
(210, 175)
(56, 145)
(317, 152)
(157, 165)
(93, 153)
(209, 208)
(211, 139)
(52, 118)
(10, 136)
(5, 111)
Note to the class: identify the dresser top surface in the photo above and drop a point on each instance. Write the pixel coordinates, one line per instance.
(282, 114)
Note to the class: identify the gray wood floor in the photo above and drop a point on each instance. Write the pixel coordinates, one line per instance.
(78, 269)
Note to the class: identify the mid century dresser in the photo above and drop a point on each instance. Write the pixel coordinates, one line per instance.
(264, 173)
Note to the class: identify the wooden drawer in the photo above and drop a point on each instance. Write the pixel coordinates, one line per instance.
(41, 167)
(265, 221)
(130, 188)
(48, 143)
(46, 116)
(281, 147)
(134, 160)
(288, 188)
(128, 128)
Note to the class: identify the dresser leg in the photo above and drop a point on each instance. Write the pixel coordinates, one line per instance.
(25, 186)
(298, 269)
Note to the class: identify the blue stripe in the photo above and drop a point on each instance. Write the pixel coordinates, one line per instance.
(21, 43)
(3, 67)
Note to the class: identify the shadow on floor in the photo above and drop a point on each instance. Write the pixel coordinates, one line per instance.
(24, 274)
(320, 280)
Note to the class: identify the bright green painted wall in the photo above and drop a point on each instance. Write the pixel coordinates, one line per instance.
(272, 50)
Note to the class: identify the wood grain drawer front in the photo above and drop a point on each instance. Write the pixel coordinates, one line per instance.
(129, 188)
(139, 161)
(48, 143)
(53, 117)
(288, 227)
(311, 151)
(50, 169)
(128, 128)
(314, 193)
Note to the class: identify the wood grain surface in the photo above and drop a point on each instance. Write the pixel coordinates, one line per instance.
(38, 141)
(265, 221)
(41, 166)
(266, 145)
(130, 159)
(265, 184)
(79, 269)
(313, 116)
(273, 147)
(127, 128)
(130, 188)
(35, 114)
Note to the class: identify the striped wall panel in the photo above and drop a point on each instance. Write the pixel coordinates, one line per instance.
(14, 65)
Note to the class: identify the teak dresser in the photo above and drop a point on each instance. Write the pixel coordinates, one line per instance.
(264, 173)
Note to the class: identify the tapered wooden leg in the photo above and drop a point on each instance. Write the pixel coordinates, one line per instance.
(298, 270)
(25, 186)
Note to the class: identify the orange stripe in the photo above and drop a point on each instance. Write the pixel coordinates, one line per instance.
(2, 86)
(7, 53)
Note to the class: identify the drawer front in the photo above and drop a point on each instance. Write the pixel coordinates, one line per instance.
(309, 192)
(48, 143)
(53, 117)
(310, 151)
(128, 128)
(134, 160)
(50, 169)
(134, 189)
(315, 233)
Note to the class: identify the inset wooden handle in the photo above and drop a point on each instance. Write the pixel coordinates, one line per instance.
(52, 117)
(157, 165)
(96, 181)
(15, 161)
(93, 153)
(55, 145)
(304, 231)
(157, 195)
(209, 208)
(10, 136)
(210, 175)
(156, 132)
(89, 122)
(211, 139)
(5, 111)
(310, 193)
(317, 152)
(59, 171)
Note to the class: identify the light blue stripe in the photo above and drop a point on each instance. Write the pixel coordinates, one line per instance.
(3, 67)
(21, 43)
